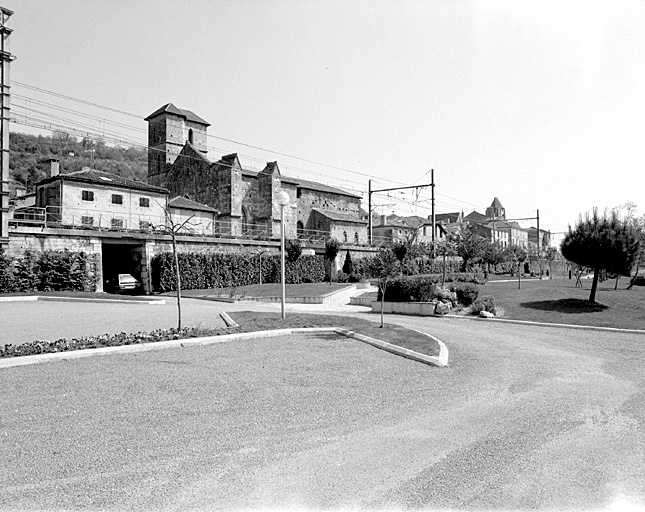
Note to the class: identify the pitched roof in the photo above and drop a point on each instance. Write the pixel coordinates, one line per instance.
(475, 216)
(169, 108)
(496, 203)
(340, 217)
(188, 204)
(321, 187)
(107, 179)
(449, 217)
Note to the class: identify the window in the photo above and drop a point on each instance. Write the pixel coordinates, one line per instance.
(144, 202)
(356, 237)
(87, 222)
(190, 135)
(87, 195)
(298, 193)
(117, 223)
(345, 236)
(117, 199)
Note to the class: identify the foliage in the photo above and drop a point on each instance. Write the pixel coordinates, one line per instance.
(385, 266)
(400, 249)
(107, 340)
(28, 156)
(224, 270)
(470, 247)
(485, 303)
(467, 293)
(603, 244)
(293, 249)
(428, 288)
(348, 266)
(49, 271)
(332, 247)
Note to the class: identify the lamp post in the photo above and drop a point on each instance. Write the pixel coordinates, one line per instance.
(283, 200)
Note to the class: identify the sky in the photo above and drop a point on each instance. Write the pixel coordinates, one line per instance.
(540, 104)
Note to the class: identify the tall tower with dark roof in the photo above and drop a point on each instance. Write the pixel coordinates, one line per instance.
(169, 130)
(496, 210)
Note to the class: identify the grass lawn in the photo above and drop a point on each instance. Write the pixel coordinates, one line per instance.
(266, 290)
(558, 301)
(394, 334)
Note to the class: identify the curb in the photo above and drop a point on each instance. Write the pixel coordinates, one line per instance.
(11, 362)
(27, 298)
(546, 324)
(228, 320)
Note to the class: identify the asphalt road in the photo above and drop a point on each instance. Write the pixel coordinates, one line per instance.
(22, 322)
(524, 418)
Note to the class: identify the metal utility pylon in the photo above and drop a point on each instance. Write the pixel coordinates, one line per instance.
(5, 61)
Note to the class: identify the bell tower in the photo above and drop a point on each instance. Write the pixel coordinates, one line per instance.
(169, 130)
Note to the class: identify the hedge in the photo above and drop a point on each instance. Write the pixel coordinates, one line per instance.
(224, 270)
(49, 271)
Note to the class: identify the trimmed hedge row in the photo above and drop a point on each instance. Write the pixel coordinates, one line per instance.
(49, 271)
(223, 270)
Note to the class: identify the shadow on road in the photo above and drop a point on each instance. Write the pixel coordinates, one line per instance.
(565, 306)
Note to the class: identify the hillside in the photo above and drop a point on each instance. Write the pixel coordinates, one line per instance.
(27, 155)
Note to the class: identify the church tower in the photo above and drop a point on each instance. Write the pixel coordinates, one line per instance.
(496, 211)
(169, 130)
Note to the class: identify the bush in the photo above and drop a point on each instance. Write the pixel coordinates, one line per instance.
(223, 270)
(485, 303)
(467, 293)
(639, 281)
(49, 271)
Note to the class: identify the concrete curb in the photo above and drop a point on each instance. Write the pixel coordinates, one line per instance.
(26, 298)
(545, 324)
(11, 362)
(228, 320)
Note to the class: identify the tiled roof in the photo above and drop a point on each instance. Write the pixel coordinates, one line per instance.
(320, 187)
(107, 179)
(169, 108)
(476, 216)
(188, 204)
(450, 217)
(340, 217)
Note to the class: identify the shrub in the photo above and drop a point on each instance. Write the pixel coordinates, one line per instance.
(467, 293)
(293, 249)
(639, 281)
(49, 271)
(348, 266)
(355, 278)
(223, 270)
(484, 303)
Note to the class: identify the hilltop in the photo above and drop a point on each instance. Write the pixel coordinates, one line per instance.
(28, 155)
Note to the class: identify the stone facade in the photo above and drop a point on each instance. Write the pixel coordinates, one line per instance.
(245, 199)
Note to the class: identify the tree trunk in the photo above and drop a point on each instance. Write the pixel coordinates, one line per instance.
(594, 285)
(177, 281)
(382, 303)
(631, 281)
(616, 285)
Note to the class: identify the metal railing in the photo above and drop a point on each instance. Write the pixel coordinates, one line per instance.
(52, 216)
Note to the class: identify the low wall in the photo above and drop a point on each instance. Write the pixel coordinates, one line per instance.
(405, 308)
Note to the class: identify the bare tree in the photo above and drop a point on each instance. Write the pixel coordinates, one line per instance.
(172, 228)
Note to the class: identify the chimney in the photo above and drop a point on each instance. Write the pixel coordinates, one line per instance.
(54, 167)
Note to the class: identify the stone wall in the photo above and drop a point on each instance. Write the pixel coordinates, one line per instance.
(309, 199)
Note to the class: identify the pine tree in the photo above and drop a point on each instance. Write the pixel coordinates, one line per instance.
(602, 243)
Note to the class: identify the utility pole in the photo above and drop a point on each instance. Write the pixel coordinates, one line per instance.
(432, 203)
(369, 201)
(369, 211)
(5, 60)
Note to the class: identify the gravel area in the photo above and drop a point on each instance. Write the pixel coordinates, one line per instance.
(524, 418)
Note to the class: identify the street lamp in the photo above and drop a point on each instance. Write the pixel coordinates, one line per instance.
(283, 200)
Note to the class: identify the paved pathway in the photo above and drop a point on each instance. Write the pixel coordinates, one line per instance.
(524, 418)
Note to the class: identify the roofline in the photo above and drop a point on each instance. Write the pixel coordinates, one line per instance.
(81, 179)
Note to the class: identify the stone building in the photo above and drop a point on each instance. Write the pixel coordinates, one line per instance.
(245, 199)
